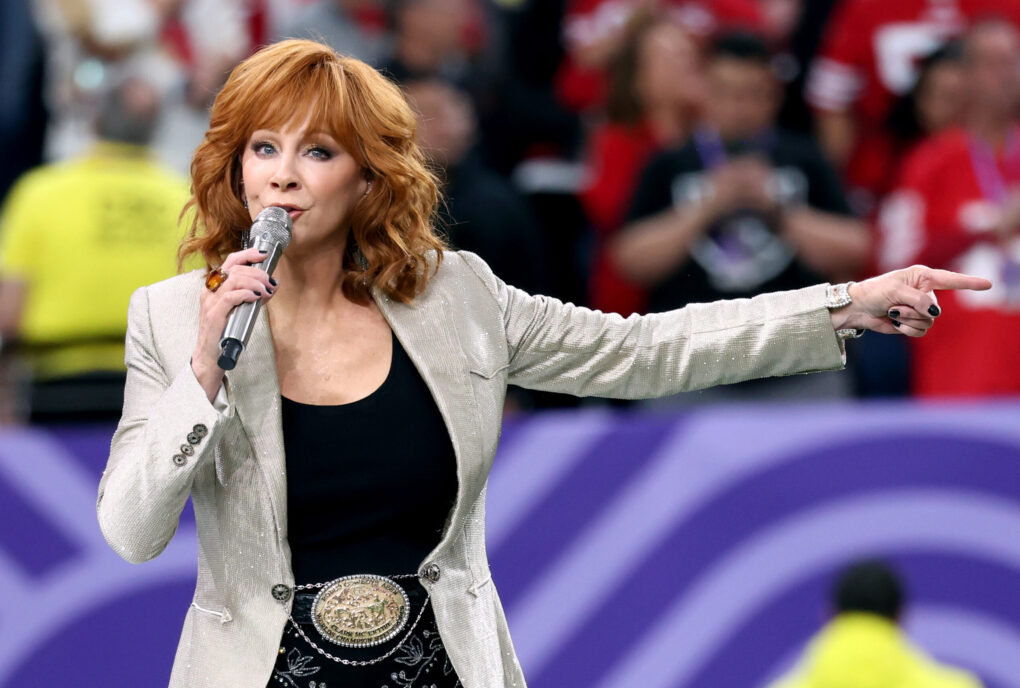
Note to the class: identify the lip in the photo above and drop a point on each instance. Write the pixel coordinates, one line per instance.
(292, 210)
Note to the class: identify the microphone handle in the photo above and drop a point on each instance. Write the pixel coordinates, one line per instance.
(241, 321)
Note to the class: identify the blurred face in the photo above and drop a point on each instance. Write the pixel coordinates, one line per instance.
(742, 97)
(445, 121)
(993, 67)
(441, 23)
(308, 173)
(941, 97)
(668, 68)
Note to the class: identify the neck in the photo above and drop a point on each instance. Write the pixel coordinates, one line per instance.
(310, 279)
(991, 126)
(668, 124)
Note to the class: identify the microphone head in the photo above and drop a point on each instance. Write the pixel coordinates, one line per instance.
(275, 222)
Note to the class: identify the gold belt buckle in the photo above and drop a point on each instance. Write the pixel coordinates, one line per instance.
(360, 611)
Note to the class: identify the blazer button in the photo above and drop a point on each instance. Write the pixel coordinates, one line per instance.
(432, 572)
(187, 450)
(281, 592)
(180, 459)
(193, 438)
(200, 430)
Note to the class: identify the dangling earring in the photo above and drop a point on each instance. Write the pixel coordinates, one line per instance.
(367, 189)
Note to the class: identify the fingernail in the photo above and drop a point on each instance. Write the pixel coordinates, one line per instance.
(269, 291)
(934, 310)
(261, 251)
(894, 313)
(257, 293)
(896, 323)
(272, 281)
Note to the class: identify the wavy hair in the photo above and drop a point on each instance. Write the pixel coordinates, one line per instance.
(391, 227)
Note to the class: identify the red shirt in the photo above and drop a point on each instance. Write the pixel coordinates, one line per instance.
(939, 216)
(869, 59)
(616, 156)
(591, 21)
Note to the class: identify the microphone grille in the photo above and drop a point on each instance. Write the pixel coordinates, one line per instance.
(276, 222)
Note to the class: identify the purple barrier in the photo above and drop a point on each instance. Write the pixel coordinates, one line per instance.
(630, 550)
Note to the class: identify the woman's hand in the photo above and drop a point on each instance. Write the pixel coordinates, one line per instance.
(244, 283)
(901, 301)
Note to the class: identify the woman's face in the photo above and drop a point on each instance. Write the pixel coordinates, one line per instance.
(668, 68)
(308, 173)
(941, 97)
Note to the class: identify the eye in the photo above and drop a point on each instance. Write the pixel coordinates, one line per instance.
(319, 152)
(262, 148)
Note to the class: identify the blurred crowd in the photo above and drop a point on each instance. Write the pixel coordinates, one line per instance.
(628, 155)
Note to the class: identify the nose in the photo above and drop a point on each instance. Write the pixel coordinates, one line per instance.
(284, 176)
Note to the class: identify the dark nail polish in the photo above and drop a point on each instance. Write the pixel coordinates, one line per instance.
(272, 281)
(894, 313)
(934, 310)
(263, 252)
(896, 323)
(269, 291)
(257, 293)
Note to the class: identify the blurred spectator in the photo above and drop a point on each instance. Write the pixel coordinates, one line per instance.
(358, 28)
(483, 213)
(868, 59)
(593, 31)
(76, 238)
(92, 43)
(431, 39)
(863, 646)
(655, 91)
(958, 207)
(744, 208)
(22, 115)
(934, 104)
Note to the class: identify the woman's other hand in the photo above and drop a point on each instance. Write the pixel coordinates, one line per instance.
(244, 283)
(902, 301)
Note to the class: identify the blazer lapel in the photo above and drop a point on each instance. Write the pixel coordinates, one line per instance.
(255, 392)
(429, 336)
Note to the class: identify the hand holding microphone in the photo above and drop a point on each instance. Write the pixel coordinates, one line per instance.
(228, 314)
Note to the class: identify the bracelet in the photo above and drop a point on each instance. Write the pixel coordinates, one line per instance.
(837, 296)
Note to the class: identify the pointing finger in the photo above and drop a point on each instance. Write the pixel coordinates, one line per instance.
(944, 279)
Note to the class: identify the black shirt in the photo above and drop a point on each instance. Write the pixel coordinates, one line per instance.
(741, 255)
(369, 483)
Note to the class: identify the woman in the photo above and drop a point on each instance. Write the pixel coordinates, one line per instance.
(655, 89)
(326, 453)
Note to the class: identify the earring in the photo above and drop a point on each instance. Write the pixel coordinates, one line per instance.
(367, 189)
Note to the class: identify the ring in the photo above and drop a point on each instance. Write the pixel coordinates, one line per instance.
(215, 278)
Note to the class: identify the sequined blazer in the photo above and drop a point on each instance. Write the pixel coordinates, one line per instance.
(469, 334)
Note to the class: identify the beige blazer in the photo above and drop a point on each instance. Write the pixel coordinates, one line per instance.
(468, 335)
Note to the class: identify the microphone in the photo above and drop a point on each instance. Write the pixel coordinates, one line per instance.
(271, 231)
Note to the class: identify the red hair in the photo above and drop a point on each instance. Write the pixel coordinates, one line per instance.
(391, 227)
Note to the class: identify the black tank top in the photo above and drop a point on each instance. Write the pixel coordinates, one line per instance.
(369, 483)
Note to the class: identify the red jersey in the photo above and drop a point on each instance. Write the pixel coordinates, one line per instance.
(869, 59)
(941, 216)
(589, 22)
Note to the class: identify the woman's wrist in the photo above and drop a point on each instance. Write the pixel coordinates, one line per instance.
(844, 307)
(209, 377)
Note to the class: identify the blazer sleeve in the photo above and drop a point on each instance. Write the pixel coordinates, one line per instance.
(149, 473)
(561, 347)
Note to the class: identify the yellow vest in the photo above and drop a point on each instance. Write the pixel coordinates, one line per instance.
(868, 651)
(83, 235)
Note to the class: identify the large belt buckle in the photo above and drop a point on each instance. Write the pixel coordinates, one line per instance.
(360, 611)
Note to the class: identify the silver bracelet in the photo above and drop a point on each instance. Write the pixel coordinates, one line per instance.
(837, 296)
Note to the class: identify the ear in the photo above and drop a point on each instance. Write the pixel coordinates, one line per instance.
(366, 184)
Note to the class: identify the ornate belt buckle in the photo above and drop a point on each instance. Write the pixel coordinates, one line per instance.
(360, 610)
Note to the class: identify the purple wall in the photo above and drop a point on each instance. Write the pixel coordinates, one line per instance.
(686, 551)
